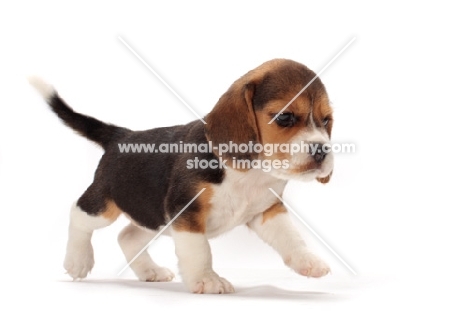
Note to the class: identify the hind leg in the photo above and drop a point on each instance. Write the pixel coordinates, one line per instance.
(79, 259)
(132, 240)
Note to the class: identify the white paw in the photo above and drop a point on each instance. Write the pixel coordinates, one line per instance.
(79, 260)
(307, 264)
(154, 274)
(210, 283)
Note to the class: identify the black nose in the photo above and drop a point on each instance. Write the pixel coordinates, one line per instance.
(317, 151)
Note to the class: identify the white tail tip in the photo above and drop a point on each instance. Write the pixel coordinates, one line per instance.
(44, 88)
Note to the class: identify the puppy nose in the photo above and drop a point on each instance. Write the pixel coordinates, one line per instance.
(317, 152)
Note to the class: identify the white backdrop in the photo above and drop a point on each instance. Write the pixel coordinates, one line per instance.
(394, 210)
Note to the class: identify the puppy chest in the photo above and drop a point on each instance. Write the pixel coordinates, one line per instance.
(240, 197)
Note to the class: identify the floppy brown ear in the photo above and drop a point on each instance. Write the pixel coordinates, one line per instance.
(233, 119)
(325, 179)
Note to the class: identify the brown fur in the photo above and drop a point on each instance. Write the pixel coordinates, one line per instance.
(112, 211)
(152, 188)
(274, 210)
(196, 222)
(233, 108)
(322, 109)
(255, 98)
(274, 134)
(324, 180)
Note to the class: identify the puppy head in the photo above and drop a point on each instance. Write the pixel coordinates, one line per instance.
(243, 113)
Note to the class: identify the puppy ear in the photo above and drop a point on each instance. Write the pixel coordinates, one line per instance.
(233, 120)
(325, 179)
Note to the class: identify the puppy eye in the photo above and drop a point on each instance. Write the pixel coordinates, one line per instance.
(286, 119)
(325, 121)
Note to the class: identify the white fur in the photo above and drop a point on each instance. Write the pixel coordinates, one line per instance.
(240, 197)
(79, 259)
(280, 233)
(46, 90)
(132, 240)
(309, 135)
(195, 264)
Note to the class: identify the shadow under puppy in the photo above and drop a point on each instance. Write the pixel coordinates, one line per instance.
(151, 188)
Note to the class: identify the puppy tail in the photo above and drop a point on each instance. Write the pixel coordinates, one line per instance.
(91, 128)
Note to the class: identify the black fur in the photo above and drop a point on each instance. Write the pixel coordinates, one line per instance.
(89, 127)
(153, 187)
(146, 186)
(280, 82)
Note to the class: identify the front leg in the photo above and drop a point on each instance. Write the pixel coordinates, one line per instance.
(195, 264)
(275, 228)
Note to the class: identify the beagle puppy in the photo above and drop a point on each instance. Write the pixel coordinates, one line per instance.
(151, 188)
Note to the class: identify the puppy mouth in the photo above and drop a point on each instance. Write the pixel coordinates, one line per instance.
(309, 171)
(313, 169)
(316, 172)
(308, 168)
